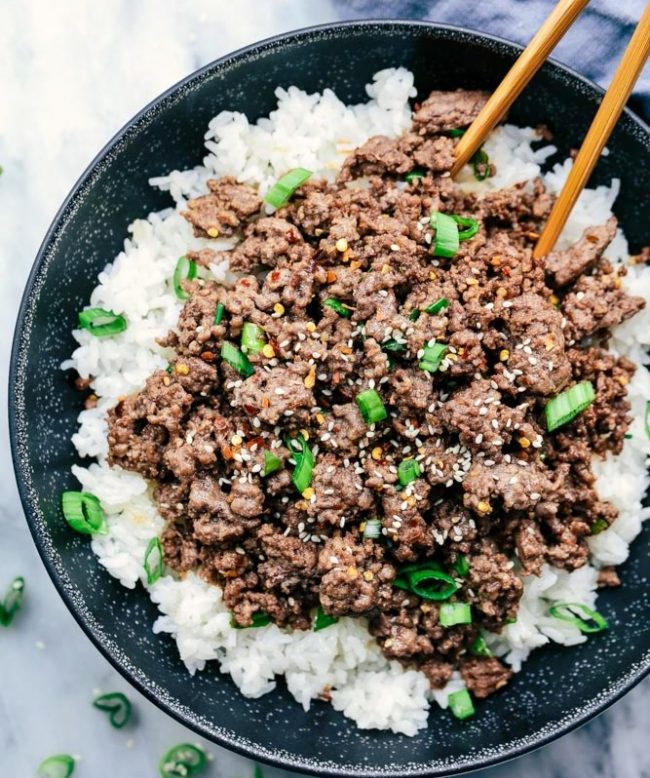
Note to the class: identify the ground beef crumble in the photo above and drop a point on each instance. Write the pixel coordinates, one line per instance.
(495, 490)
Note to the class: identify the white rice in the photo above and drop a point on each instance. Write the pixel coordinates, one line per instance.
(342, 663)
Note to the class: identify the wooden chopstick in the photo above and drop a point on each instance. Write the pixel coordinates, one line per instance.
(634, 58)
(528, 63)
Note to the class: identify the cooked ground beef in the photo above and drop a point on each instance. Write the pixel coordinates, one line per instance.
(339, 281)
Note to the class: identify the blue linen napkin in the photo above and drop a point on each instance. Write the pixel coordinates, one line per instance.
(593, 46)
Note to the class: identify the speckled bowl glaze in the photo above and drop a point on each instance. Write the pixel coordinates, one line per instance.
(559, 688)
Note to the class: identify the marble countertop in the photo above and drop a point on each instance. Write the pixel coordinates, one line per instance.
(72, 73)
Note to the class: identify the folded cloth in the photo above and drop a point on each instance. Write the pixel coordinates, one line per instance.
(593, 46)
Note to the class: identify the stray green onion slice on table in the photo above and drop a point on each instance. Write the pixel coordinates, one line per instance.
(101, 323)
(118, 707)
(284, 188)
(84, 513)
(59, 766)
(13, 601)
(183, 761)
(154, 564)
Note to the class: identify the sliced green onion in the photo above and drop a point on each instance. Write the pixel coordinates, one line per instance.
(271, 464)
(252, 338)
(236, 359)
(185, 271)
(563, 408)
(372, 530)
(281, 192)
(436, 307)
(431, 584)
(479, 647)
(460, 704)
(338, 307)
(628, 436)
(183, 761)
(408, 470)
(323, 620)
(461, 565)
(432, 357)
(600, 525)
(456, 133)
(84, 513)
(257, 772)
(101, 323)
(481, 165)
(393, 346)
(60, 766)
(304, 469)
(417, 172)
(259, 619)
(414, 315)
(470, 227)
(566, 611)
(371, 406)
(647, 418)
(402, 579)
(154, 563)
(118, 707)
(446, 242)
(13, 601)
(452, 613)
(218, 314)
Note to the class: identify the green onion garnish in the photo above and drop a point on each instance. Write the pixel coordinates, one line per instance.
(304, 469)
(323, 620)
(252, 339)
(452, 613)
(432, 357)
(154, 563)
(372, 530)
(600, 525)
(481, 165)
(479, 647)
(183, 761)
(456, 133)
(13, 601)
(118, 707)
(647, 418)
(566, 611)
(393, 346)
(461, 565)
(426, 580)
(59, 766)
(259, 619)
(414, 315)
(568, 404)
(185, 271)
(257, 772)
(218, 314)
(236, 359)
(470, 227)
(408, 470)
(84, 513)
(338, 307)
(460, 704)
(371, 406)
(281, 192)
(447, 241)
(436, 307)
(101, 323)
(417, 172)
(271, 464)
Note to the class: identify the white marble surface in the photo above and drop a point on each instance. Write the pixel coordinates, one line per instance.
(71, 73)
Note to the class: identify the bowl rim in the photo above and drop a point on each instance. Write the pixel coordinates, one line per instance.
(233, 742)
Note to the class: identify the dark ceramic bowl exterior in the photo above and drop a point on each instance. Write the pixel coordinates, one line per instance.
(559, 688)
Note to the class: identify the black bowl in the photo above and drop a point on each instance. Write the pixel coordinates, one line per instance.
(559, 688)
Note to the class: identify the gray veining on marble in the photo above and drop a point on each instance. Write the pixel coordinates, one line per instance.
(71, 73)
